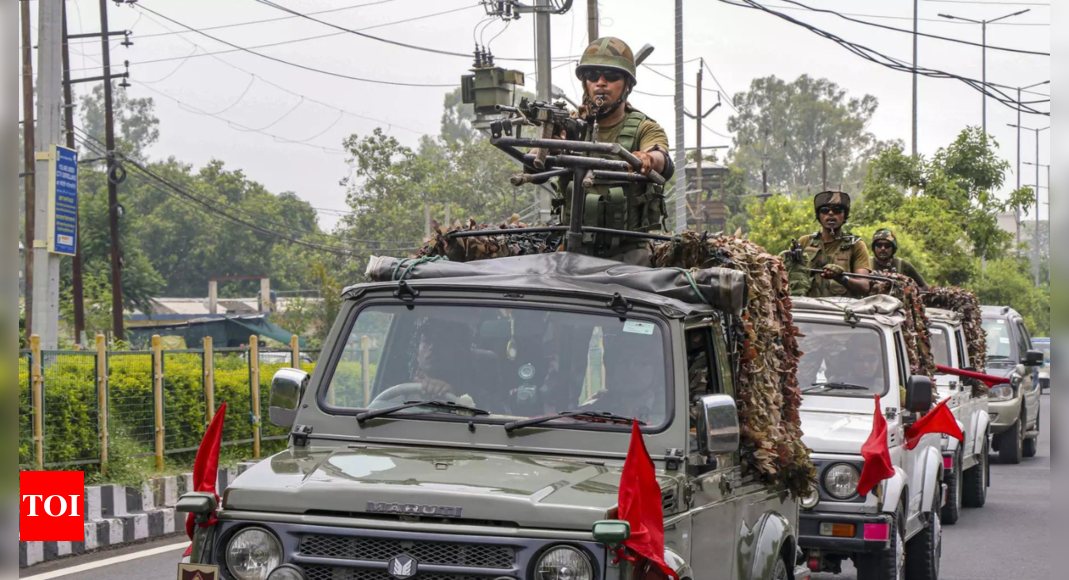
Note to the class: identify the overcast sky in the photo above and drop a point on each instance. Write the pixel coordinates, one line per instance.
(213, 107)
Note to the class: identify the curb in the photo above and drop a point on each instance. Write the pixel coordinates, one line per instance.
(116, 515)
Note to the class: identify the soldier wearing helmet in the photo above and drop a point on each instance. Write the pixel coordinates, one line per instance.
(607, 71)
(884, 248)
(830, 250)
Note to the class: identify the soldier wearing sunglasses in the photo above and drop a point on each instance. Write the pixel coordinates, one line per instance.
(884, 248)
(830, 250)
(607, 70)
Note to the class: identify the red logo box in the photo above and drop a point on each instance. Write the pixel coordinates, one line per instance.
(51, 506)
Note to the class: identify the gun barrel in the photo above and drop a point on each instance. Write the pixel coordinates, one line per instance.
(814, 272)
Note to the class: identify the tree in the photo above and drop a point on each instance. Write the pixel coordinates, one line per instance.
(1009, 282)
(136, 125)
(778, 220)
(789, 125)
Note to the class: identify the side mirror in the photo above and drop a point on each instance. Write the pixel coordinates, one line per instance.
(287, 387)
(919, 394)
(197, 503)
(1033, 358)
(612, 532)
(721, 425)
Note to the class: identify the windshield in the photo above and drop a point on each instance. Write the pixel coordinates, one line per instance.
(999, 339)
(941, 345)
(1044, 347)
(514, 363)
(836, 355)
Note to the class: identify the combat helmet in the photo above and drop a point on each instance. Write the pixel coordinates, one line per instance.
(611, 53)
(887, 235)
(832, 198)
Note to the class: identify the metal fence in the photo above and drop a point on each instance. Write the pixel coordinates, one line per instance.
(147, 403)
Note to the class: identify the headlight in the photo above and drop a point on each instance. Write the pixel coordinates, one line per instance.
(564, 563)
(810, 499)
(287, 572)
(1001, 393)
(252, 554)
(841, 481)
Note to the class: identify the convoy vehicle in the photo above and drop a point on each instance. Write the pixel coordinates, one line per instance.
(486, 438)
(966, 469)
(853, 351)
(1014, 408)
(1043, 345)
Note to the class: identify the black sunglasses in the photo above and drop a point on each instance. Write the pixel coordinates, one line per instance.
(838, 209)
(883, 245)
(594, 74)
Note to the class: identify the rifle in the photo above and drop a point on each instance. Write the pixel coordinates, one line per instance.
(796, 252)
(554, 119)
(816, 272)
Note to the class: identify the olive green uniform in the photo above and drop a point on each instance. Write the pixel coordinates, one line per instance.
(847, 251)
(903, 267)
(648, 136)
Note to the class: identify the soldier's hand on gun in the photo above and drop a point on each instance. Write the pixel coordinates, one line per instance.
(647, 161)
(833, 272)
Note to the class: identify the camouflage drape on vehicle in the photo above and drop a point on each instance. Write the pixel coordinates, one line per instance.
(967, 306)
(916, 327)
(486, 247)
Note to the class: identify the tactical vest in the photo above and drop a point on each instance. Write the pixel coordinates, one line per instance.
(619, 205)
(817, 258)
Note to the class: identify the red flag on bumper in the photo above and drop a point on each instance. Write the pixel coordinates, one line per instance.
(206, 466)
(640, 504)
(877, 456)
(938, 420)
(989, 380)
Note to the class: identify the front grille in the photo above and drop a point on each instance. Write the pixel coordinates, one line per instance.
(384, 550)
(337, 573)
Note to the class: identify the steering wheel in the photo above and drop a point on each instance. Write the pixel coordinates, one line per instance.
(398, 394)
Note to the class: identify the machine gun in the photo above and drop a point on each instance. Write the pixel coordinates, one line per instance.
(554, 120)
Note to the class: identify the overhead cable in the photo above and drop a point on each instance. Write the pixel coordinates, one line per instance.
(264, 21)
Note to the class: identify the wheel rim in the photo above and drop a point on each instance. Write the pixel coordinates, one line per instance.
(959, 481)
(900, 555)
(937, 535)
(1020, 438)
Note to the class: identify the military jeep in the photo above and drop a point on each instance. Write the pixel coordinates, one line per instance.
(854, 350)
(965, 464)
(484, 437)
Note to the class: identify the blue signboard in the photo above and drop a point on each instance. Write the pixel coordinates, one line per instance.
(63, 202)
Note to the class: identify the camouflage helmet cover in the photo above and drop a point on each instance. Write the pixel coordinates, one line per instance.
(887, 235)
(832, 198)
(611, 53)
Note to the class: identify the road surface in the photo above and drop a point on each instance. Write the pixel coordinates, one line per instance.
(1005, 540)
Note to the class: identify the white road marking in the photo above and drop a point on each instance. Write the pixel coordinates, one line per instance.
(111, 561)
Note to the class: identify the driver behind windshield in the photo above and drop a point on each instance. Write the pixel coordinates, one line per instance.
(850, 358)
(633, 387)
(444, 357)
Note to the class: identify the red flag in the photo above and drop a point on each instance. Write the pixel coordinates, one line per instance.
(877, 456)
(938, 420)
(640, 504)
(206, 466)
(989, 380)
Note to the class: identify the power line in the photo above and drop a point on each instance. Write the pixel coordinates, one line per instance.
(910, 18)
(990, 2)
(266, 20)
(720, 86)
(294, 64)
(923, 34)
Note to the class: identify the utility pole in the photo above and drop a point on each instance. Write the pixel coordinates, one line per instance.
(915, 30)
(113, 193)
(544, 56)
(681, 153)
(49, 127)
(824, 168)
(1035, 238)
(1018, 169)
(592, 19)
(698, 139)
(983, 47)
(28, 162)
(76, 260)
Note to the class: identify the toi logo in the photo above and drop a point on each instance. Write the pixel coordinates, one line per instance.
(51, 506)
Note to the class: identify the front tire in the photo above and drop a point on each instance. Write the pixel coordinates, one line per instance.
(952, 510)
(925, 550)
(780, 571)
(1011, 444)
(1031, 445)
(975, 482)
(889, 564)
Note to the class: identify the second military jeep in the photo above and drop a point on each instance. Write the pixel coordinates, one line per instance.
(484, 438)
(854, 350)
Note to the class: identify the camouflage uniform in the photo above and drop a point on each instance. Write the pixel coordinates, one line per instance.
(846, 251)
(897, 265)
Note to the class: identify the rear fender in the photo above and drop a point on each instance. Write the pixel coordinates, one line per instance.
(677, 563)
(983, 423)
(893, 487)
(760, 549)
(952, 444)
(933, 476)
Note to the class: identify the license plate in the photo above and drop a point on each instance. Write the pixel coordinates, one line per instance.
(197, 572)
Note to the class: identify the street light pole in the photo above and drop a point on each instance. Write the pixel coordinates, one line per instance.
(1018, 170)
(1035, 237)
(983, 47)
(1037, 165)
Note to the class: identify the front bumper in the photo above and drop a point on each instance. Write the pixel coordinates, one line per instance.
(1003, 414)
(809, 537)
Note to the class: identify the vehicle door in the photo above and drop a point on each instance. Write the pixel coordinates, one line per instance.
(971, 406)
(915, 462)
(1030, 387)
(714, 488)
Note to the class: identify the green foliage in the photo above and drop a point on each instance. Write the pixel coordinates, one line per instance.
(1009, 282)
(779, 219)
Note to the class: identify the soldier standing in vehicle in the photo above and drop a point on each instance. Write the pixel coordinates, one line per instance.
(607, 70)
(830, 250)
(884, 248)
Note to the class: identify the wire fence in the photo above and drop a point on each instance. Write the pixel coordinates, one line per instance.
(78, 399)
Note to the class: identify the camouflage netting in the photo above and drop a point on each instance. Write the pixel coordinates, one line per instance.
(486, 247)
(967, 306)
(768, 396)
(916, 328)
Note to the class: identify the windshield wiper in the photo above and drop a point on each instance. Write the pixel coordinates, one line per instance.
(591, 416)
(835, 387)
(444, 405)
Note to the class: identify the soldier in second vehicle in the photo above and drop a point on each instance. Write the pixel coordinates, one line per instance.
(830, 250)
(607, 71)
(884, 248)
